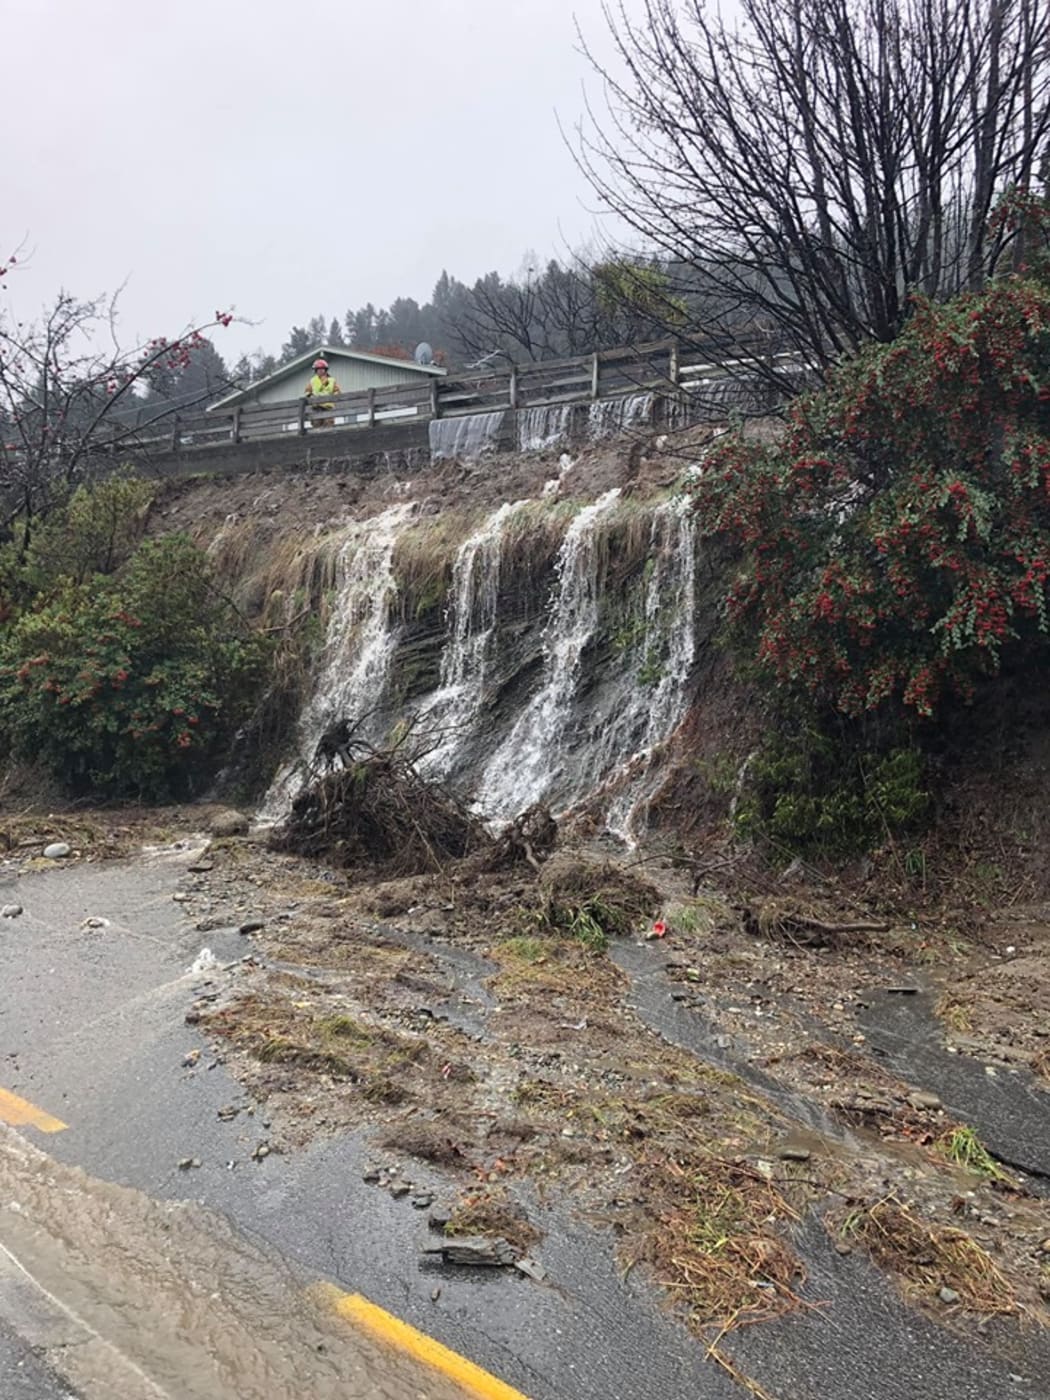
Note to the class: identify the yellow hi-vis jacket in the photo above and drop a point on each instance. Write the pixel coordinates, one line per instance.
(318, 386)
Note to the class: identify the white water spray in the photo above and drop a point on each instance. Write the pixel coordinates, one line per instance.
(524, 767)
(359, 647)
(456, 704)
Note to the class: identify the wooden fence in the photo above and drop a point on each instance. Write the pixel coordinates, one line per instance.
(659, 366)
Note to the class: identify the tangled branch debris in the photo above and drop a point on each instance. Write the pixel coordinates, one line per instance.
(796, 923)
(375, 811)
(530, 838)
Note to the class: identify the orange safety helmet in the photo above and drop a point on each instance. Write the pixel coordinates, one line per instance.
(320, 364)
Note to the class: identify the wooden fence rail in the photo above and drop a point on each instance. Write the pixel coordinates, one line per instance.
(661, 365)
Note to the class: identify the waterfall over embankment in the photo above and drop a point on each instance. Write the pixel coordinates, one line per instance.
(539, 651)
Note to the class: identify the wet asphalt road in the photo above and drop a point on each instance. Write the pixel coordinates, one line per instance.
(92, 1030)
(23, 1376)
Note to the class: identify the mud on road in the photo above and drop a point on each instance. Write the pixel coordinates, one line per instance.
(709, 1094)
(734, 1114)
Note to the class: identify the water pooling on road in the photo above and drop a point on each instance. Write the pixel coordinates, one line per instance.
(183, 1299)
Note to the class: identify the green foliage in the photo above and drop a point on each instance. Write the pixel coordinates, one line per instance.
(95, 532)
(818, 795)
(963, 1147)
(131, 684)
(894, 546)
(637, 288)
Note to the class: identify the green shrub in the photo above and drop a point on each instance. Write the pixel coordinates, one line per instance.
(894, 546)
(817, 795)
(95, 532)
(130, 685)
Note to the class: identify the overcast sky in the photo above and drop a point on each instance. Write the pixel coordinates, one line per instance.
(285, 159)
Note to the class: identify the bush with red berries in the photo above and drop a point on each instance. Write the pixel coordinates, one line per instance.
(893, 548)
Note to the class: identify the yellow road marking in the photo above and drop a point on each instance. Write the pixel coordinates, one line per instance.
(20, 1113)
(472, 1379)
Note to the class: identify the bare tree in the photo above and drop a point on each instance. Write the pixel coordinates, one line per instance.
(803, 174)
(68, 399)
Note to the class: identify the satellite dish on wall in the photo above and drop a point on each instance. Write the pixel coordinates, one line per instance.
(423, 354)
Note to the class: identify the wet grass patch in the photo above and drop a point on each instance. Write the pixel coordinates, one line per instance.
(962, 1146)
(589, 905)
(293, 1030)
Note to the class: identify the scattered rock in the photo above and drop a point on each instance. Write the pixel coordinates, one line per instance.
(58, 850)
(201, 867)
(190, 1059)
(229, 1113)
(793, 1152)
(262, 1150)
(531, 1268)
(372, 1176)
(948, 1296)
(252, 926)
(843, 1248)
(229, 823)
(10, 911)
(921, 1099)
(181, 897)
(423, 1201)
(1045, 1246)
(187, 1162)
(400, 1188)
(435, 1295)
(475, 1249)
(95, 922)
(439, 1218)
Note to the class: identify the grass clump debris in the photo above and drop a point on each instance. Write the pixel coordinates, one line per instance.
(928, 1258)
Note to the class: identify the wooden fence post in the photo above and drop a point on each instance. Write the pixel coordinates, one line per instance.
(237, 424)
(435, 402)
(595, 372)
(512, 387)
(672, 365)
(175, 433)
(371, 408)
(302, 417)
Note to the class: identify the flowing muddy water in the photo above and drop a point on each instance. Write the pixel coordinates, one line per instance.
(190, 1309)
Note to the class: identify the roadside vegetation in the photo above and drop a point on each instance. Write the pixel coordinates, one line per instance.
(124, 671)
(892, 552)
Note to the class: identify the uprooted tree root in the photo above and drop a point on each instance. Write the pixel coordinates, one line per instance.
(378, 813)
(928, 1258)
(529, 839)
(373, 810)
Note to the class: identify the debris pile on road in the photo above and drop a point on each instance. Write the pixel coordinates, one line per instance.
(378, 813)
